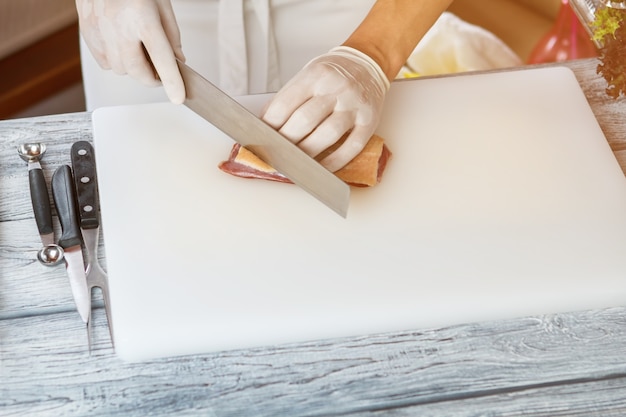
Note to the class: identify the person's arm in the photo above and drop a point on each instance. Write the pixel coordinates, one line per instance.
(135, 37)
(393, 28)
(341, 93)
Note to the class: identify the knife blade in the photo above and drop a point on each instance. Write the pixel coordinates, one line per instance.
(70, 240)
(86, 187)
(236, 121)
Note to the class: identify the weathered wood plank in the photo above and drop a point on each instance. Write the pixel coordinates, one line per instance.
(46, 369)
(58, 132)
(28, 287)
(601, 398)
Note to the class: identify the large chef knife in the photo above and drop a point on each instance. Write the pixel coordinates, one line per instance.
(245, 128)
(70, 240)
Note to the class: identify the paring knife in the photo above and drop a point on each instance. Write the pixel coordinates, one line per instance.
(236, 121)
(70, 240)
(86, 186)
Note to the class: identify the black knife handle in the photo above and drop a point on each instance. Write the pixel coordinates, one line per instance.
(41, 201)
(86, 184)
(65, 201)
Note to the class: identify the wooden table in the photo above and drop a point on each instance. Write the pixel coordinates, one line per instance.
(552, 365)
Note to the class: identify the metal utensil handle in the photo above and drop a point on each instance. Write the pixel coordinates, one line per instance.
(41, 201)
(86, 184)
(65, 201)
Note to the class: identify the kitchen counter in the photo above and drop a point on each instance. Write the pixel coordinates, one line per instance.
(561, 364)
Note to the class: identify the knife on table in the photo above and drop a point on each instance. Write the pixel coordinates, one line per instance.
(70, 240)
(86, 187)
(236, 121)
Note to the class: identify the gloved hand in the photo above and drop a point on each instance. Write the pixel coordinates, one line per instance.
(338, 91)
(117, 31)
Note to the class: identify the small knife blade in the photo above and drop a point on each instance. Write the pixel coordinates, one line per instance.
(86, 186)
(70, 240)
(236, 121)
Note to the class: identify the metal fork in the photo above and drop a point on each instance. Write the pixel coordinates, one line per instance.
(96, 278)
(85, 182)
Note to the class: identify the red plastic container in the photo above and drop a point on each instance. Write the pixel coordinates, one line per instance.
(567, 40)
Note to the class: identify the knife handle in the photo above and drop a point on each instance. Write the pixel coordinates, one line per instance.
(41, 201)
(85, 184)
(65, 201)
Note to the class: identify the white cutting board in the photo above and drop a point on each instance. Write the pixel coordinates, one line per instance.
(502, 199)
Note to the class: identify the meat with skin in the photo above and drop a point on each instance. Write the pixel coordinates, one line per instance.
(365, 170)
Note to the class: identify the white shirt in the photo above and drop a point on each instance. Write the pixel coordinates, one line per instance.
(243, 46)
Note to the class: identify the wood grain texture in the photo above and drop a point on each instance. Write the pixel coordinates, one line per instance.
(45, 361)
(24, 292)
(555, 365)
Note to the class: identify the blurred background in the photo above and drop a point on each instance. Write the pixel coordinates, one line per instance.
(40, 62)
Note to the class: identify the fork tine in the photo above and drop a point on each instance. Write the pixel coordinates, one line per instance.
(89, 330)
(107, 309)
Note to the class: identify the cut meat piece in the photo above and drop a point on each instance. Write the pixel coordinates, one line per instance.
(365, 170)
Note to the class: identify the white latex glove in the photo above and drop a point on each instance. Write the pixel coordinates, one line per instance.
(338, 91)
(117, 31)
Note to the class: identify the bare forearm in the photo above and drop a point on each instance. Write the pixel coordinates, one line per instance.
(393, 28)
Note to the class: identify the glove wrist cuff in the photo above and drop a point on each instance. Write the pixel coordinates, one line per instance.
(355, 54)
